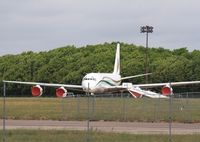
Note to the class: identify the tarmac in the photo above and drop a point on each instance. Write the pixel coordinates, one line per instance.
(105, 126)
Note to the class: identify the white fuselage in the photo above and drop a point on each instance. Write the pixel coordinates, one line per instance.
(100, 82)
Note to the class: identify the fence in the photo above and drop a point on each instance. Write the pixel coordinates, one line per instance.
(182, 108)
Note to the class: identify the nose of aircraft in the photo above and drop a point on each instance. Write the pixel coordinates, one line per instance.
(86, 86)
(89, 83)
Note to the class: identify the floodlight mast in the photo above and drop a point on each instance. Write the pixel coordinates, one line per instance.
(147, 30)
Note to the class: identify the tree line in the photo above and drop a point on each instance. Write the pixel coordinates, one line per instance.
(69, 64)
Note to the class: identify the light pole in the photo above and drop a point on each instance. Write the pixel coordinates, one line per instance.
(147, 30)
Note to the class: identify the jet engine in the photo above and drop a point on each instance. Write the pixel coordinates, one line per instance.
(36, 91)
(166, 90)
(61, 92)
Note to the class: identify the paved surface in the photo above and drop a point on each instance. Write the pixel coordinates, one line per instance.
(118, 127)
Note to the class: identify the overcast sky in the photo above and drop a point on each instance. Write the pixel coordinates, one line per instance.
(40, 25)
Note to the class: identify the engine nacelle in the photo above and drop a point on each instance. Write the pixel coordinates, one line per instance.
(36, 91)
(167, 90)
(61, 92)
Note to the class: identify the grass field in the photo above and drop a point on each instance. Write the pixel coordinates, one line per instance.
(115, 109)
(80, 136)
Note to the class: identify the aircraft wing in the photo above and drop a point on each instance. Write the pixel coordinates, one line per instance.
(113, 89)
(138, 93)
(72, 87)
(169, 83)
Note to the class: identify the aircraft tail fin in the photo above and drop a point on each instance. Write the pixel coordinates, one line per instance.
(117, 60)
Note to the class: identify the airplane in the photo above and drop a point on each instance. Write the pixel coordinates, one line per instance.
(96, 83)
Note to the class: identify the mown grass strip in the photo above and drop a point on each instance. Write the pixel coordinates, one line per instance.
(82, 136)
(109, 109)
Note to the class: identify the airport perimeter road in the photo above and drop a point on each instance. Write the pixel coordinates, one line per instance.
(108, 126)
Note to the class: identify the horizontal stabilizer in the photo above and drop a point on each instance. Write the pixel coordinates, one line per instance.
(139, 75)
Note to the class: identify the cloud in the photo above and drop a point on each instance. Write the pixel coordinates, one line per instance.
(42, 24)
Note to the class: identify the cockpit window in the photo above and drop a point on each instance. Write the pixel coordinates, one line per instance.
(89, 78)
